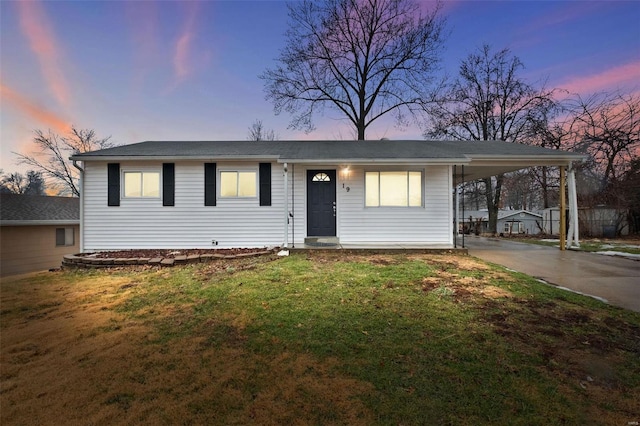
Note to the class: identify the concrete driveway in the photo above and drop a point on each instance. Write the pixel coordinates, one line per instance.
(615, 279)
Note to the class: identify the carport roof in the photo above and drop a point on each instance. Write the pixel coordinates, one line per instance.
(480, 158)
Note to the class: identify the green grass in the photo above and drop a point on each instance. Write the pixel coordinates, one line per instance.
(419, 340)
(429, 357)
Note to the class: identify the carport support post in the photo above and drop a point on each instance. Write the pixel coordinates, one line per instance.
(573, 209)
(563, 212)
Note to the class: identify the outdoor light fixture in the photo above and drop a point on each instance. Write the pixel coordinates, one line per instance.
(345, 172)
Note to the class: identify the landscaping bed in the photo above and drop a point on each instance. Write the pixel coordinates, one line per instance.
(157, 257)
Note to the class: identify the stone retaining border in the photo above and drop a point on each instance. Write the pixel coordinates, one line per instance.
(85, 261)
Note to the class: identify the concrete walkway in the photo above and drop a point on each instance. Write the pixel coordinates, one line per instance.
(615, 279)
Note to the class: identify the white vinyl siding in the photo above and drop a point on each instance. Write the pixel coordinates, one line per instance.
(140, 223)
(430, 224)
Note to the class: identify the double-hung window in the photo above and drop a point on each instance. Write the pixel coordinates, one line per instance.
(393, 189)
(142, 184)
(234, 184)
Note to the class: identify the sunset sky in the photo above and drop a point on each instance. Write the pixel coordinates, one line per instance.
(162, 70)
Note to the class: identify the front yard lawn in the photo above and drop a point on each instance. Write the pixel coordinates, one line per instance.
(320, 337)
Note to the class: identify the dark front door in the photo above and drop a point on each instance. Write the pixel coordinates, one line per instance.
(321, 203)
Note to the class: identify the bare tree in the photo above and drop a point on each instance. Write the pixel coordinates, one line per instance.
(52, 158)
(489, 100)
(630, 187)
(17, 183)
(608, 127)
(553, 130)
(520, 190)
(257, 132)
(13, 183)
(35, 183)
(363, 58)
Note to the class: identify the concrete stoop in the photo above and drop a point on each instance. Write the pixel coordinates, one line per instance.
(322, 241)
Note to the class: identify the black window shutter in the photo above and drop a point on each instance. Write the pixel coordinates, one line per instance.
(113, 184)
(168, 184)
(209, 184)
(265, 184)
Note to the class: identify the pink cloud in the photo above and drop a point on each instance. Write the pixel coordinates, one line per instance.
(181, 57)
(35, 111)
(37, 29)
(613, 78)
(182, 54)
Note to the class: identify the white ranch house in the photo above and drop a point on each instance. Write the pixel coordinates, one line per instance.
(224, 194)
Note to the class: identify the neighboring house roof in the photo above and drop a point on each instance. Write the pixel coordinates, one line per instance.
(502, 214)
(480, 158)
(18, 209)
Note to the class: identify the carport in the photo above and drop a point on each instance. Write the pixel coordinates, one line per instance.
(483, 164)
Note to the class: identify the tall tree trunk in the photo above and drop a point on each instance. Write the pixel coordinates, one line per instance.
(545, 188)
(493, 201)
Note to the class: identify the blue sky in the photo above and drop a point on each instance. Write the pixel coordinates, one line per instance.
(163, 70)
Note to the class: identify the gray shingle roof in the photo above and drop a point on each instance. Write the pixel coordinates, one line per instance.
(31, 208)
(321, 150)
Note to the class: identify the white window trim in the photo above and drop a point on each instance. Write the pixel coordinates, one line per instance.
(422, 191)
(238, 197)
(141, 197)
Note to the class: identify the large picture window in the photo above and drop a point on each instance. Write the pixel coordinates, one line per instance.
(238, 184)
(142, 184)
(393, 189)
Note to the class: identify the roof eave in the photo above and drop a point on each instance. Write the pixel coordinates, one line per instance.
(38, 222)
(377, 161)
(173, 158)
(517, 158)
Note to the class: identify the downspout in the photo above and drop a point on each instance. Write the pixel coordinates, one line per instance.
(563, 212)
(286, 205)
(81, 196)
(293, 205)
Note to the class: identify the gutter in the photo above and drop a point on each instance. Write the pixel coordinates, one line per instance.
(38, 222)
(379, 161)
(173, 158)
(526, 157)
